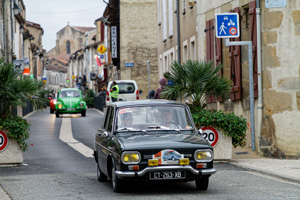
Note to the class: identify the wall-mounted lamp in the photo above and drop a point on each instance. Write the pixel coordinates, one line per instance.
(192, 3)
(16, 9)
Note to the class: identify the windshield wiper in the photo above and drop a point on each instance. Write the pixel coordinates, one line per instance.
(131, 130)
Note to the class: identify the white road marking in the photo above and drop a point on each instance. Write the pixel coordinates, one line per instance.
(66, 136)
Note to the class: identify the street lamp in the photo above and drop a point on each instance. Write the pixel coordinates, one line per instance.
(16, 9)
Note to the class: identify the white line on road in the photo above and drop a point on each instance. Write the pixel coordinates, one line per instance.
(66, 136)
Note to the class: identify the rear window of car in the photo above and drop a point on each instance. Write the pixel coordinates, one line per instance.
(70, 93)
(125, 88)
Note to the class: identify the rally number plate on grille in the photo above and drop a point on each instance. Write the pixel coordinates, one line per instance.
(167, 175)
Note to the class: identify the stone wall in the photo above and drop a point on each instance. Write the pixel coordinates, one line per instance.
(138, 43)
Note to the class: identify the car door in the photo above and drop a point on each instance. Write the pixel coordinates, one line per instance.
(103, 138)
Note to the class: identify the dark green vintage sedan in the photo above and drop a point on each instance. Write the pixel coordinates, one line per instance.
(70, 101)
(153, 140)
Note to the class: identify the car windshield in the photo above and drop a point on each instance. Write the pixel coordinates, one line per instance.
(151, 118)
(69, 93)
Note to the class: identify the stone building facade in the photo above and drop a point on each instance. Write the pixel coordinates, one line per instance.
(167, 33)
(277, 130)
(138, 43)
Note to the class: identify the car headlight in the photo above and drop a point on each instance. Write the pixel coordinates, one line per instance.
(131, 157)
(59, 105)
(81, 105)
(203, 155)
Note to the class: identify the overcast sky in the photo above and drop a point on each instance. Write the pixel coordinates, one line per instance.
(53, 15)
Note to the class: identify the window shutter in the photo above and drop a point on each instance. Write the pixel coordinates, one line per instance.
(210, 37)
(235, 67)
(253, 36)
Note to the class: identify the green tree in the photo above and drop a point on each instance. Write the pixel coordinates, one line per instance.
(196, 80)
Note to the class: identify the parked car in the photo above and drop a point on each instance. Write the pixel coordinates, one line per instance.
(52, 104)
(128, 91)
(70, 101)
(151, 140)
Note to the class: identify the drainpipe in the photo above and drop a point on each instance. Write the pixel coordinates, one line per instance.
(178, 32)
(3, 31)
(259, 103)
(12, 30)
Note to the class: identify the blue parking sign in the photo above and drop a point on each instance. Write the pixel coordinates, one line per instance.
(227, 25)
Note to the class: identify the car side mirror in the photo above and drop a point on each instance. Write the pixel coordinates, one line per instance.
(141, 91)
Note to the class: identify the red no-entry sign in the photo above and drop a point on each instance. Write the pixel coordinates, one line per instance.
(3, 140)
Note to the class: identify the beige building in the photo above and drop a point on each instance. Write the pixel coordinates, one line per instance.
(277, 106)
(132, 26)
(168, 37)
(70, 42)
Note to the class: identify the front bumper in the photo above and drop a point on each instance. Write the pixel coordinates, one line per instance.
(141, 173)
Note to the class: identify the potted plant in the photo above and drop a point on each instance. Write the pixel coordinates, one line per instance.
(15, 89)
(194, 82)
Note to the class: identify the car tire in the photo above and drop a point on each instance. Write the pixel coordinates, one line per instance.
(117, 184)
(57, 114)
(51, 111)
(100, 175)
(83, 113)
(202, 183)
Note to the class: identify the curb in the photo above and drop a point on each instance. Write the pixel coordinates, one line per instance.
(283, 177)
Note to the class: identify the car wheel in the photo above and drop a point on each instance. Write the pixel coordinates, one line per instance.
(117, 184)
(101, 177)
(57, 114)
(202, 183)
(83, 114)
(51, 111)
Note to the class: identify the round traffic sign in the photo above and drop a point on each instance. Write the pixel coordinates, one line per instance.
(233, 31)
(3, 140)
(210, 134)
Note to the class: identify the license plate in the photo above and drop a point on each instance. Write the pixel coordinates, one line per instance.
(70, 109)
(167, 175)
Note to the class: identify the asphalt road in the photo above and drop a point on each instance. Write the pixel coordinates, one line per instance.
(54, 170)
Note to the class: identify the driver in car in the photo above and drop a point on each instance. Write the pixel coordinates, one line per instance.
(166, 117)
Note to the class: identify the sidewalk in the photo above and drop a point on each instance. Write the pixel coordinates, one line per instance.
(280, 168)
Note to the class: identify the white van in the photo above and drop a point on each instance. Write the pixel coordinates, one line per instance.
(128, 91)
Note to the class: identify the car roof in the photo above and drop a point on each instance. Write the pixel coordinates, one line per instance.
(157, 102)
(68, 89)
(123, 81)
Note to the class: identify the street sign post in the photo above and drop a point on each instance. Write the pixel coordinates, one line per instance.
(227, 25)
(210, 134)
(3, 140)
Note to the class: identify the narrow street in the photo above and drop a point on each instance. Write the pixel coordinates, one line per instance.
(54, 170)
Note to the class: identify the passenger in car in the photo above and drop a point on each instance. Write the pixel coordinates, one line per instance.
(126, 120)
(166, 117)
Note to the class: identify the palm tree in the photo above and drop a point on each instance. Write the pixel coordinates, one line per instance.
(16, 89)
(196, 81)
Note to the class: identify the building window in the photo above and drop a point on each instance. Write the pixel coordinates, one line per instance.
(192, 48)
(159, 12)
(170, 18)
(68, 47)
(183, 7)
(185, 51)
(164, 21)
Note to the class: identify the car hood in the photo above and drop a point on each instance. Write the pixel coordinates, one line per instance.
(163, 141)
(70, 102)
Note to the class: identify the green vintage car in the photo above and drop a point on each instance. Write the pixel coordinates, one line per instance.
(70, 101)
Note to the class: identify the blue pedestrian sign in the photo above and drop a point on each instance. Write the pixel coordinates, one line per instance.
(227, 25)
